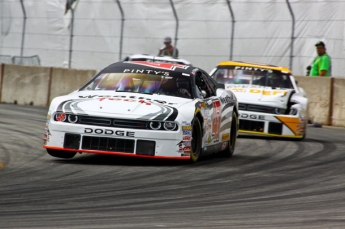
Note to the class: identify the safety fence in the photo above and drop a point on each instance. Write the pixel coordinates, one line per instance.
(23, 60)
(90, 34)
(32, 85)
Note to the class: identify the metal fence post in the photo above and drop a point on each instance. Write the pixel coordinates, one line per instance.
(23, 31)
(176, 28)
(292, 33)
(232, 29)
(122, 26)
(71, 33)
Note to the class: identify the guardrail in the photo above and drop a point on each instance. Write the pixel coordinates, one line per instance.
(34, 85)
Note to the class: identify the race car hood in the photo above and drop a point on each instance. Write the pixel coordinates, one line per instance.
(261, 95)
(123, 106)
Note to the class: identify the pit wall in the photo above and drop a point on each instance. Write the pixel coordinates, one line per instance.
(33, 85)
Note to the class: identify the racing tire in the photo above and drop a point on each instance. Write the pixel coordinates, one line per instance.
(61, 154)
(196, 140)
(230, 149)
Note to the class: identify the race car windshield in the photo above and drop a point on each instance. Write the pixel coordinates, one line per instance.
(141, 83)
(252, 78)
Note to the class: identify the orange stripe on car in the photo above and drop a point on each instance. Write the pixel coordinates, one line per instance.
(291, 122)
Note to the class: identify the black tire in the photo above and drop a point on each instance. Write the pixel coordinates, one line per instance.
(196, 140)
(230, 149)
(61, 154)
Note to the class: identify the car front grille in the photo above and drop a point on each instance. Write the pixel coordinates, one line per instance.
(252, 125)
(108, 144)
(123, 123)
(256, 108)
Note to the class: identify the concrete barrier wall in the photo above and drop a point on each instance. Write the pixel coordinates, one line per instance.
(64, 81)
(39, 85)
(318, 90)
(338, 111)
(25, 84)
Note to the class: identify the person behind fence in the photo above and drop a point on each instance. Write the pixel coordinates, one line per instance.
(322, 64)
(168, 49)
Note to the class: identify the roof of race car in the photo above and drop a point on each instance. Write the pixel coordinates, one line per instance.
(255, 65)
(149, 68)
(152, 58)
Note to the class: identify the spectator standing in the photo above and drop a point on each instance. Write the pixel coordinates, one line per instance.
(322, 64)
(168, 49)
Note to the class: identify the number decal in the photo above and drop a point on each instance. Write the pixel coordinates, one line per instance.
(217, 113)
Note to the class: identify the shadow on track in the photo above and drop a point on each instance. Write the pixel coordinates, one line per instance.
(114, 160)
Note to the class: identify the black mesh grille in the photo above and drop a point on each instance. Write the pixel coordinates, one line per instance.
(95, 121)
(108, 144)
(258, 108)
(71, 141)
(275, 128)
(252, 125)
(146, 147)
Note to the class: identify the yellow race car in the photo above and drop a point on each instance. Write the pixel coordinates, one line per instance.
(270, 102)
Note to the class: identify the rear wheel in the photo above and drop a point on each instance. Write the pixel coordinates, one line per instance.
(61, 153)
(196, 140)
(230, 149)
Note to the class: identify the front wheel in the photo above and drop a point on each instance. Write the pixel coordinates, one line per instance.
(230, 149)
(196, 140)
(61, 153)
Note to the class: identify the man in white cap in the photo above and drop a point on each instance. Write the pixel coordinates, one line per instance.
(168, 49)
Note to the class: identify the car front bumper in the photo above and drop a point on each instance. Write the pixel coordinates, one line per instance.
(117, 141)
(290, 126)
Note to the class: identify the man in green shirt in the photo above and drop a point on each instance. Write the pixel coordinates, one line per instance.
(322, 64)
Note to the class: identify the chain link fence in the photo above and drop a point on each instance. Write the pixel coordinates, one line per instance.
(91, 34)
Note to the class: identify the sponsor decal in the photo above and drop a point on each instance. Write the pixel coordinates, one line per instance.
(187, 132)
(185, 154)
(226, 99)
(109, 132)
(252, 69)
(226, 137)
(144, 71)
(187, 149)
(257, 91)
(166, 66)
(217, 113)
(186, 127)
(187, 138)
(185, 123)
(203, 105)
(187, 143)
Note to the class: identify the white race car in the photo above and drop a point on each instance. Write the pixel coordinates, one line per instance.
(144, 109)
(270, 102)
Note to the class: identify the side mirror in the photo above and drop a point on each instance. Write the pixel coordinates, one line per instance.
(221, 85)
(203, 93)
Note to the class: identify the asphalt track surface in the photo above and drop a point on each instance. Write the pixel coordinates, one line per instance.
(268, 183)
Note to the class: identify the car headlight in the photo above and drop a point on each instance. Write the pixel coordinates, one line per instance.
(293, 111)
(155, 125)
(72, 118)
(169, 125)
(279, 111)
(60, 117)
